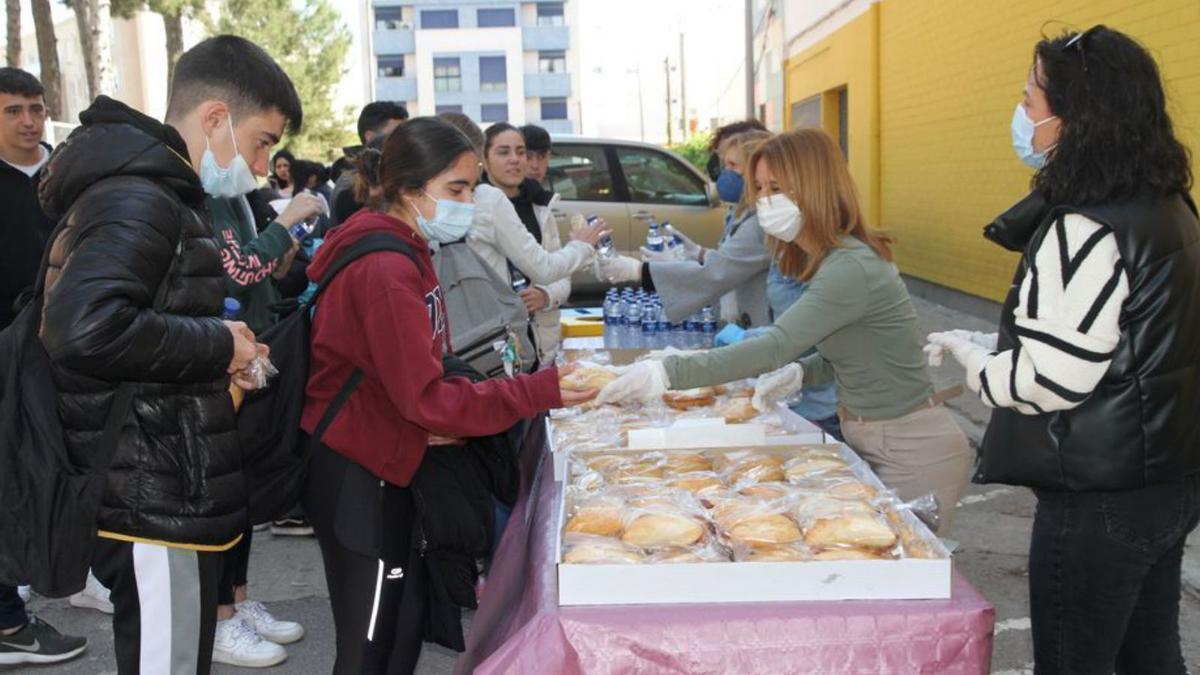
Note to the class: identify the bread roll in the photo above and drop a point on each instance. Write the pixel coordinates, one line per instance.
(637, 471)
(697, 483)
(687, 399)
(587, 377)
(764, 491)
(761, 469)
(853, 490)
(798, 470)
(771, 528)
(687, 462)
(595, 552)
(601, 520)
(655, 530)
(852, 530)
(736, 410)
(776, 554)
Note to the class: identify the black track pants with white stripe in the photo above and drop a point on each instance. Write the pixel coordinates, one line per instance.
(165, 606)
(378, 604)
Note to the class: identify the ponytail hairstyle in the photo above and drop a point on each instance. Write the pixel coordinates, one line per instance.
(412, 155)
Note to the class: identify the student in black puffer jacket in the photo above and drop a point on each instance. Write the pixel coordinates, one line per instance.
(134, 297)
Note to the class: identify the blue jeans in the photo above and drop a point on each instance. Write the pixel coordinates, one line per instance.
(1104, 585)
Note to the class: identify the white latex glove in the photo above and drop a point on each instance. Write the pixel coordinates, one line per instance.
(936, 352)
(642, 381)
(973, 357)
(777, 385)
(691, 250)
(617, 269)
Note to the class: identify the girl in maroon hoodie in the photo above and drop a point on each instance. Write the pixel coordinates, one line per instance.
(384, 316)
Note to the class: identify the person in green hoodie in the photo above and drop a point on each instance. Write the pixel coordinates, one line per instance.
(247, 633)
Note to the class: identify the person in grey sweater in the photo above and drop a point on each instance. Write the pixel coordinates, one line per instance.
(734, 274)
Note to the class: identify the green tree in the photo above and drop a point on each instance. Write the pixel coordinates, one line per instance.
(695, 150)
(310, 42)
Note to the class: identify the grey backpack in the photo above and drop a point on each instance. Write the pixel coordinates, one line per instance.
(486, 316)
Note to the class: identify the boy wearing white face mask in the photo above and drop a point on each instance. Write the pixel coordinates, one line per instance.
(856, 313)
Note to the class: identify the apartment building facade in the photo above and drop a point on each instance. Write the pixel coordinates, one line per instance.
(495, 61)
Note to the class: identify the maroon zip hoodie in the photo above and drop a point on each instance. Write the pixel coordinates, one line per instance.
(385, 315)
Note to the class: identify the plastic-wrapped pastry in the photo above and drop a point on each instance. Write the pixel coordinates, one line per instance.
(603, 516)
(655, 530)
(690, 554)
(777, 553)
(697, 483)
(853, 530)
(762, 530)
(757, 469)
(587, 376)
(849, 554)
(690, 398)
(687, 462)
(589, 549)
(641, 470)
(736, 410)
(796, 470)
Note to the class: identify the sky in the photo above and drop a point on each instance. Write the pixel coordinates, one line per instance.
(620, 37)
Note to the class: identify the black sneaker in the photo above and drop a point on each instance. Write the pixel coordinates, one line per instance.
(39, 642)
(292, 527)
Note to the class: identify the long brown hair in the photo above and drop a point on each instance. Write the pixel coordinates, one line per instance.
(811, 170)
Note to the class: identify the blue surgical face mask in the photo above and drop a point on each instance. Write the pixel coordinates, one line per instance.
(730, 185)
(451, 220)
(1022, 138)
(234, 180)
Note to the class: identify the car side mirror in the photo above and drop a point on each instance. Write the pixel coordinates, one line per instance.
(710, 191)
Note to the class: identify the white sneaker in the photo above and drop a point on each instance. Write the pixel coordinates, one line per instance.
(93, 596)
(237, 644)
(24, 592)
(258, 618)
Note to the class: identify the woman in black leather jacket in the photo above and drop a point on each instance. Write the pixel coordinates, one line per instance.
(1094, 374)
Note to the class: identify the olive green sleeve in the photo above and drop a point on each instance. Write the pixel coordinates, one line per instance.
(816, 370)
(836, 297)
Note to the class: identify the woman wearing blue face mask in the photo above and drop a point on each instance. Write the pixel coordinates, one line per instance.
(381, 322)
(733, 275)
(1093, 374)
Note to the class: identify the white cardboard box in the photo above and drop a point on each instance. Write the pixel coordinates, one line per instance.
(759, 581)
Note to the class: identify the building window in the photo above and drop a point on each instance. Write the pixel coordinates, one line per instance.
(552, 62)
(391, 66)
(389, 18)
(447, 109)
(554, 108)
(493, 112)
(807, 113)
(493, 75)
(447, 74)
(550, 14)
(496, 18)
(439, 18)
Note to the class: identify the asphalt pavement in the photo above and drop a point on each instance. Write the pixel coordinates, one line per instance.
(992, 528)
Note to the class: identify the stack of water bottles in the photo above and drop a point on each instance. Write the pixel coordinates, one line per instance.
(634, 319)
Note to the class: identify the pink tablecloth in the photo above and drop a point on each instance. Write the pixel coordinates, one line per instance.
(520, 628)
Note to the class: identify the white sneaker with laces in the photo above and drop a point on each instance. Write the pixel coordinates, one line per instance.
(237, 644)
(265, 624)
(93, 596)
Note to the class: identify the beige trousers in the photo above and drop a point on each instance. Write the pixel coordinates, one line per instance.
(920, 453)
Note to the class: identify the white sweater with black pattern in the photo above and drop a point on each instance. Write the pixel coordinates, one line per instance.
(1067, 323)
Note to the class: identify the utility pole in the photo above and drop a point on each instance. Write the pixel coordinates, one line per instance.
(670, 127)
(749, 68)
(683, 114)
(641, 105)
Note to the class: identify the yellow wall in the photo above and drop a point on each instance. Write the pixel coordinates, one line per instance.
(847, 59)
(950, 73)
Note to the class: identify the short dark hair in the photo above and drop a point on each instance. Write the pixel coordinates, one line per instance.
(412, 155)
(740, 127)
(233, 69)
(375, 116)
(21, 83)
(537, 139)
(1116, 140)
(304, 169)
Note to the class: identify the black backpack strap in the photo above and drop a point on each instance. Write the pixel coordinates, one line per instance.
(370, 243)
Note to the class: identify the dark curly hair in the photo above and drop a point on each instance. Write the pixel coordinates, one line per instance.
(1116, 140)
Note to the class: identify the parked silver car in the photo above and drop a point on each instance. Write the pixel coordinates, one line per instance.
(627, 184)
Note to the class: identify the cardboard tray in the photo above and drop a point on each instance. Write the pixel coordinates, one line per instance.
(757, 582)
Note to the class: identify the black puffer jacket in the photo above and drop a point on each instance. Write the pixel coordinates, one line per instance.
(134, 230)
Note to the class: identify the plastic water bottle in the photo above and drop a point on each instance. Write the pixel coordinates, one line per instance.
(610, 307)
(654, 238)
(633, 313)
(650, 318)
(605, 247)
(519, 282)
(231, 310)
(708, 320)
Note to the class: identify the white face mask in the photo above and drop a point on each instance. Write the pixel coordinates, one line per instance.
(779, 217)
(1023, 129)
(234, 180)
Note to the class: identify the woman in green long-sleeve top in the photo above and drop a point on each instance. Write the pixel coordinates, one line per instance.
(857, 314)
